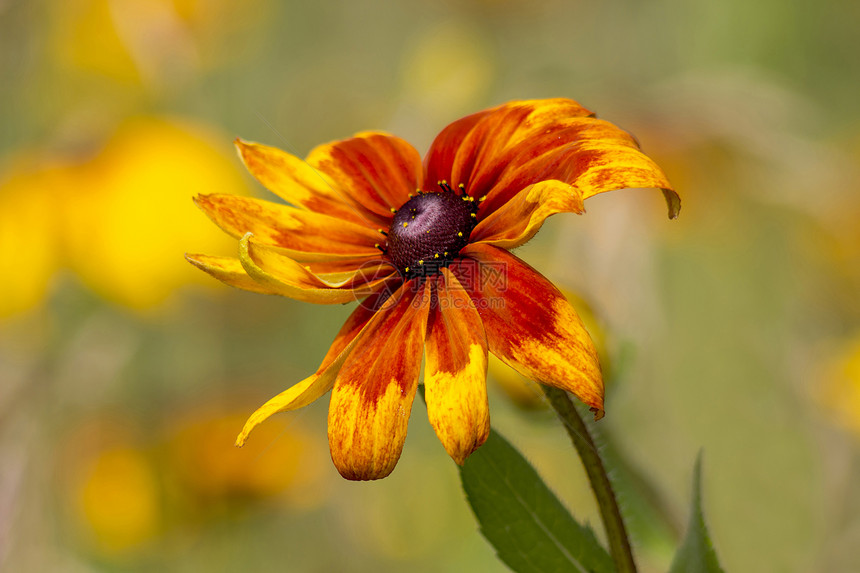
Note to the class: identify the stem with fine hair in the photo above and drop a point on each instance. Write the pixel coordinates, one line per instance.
(619, 544)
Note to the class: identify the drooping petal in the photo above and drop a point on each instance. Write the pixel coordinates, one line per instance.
(314, 386)
(229, 271)
(529, 323)
(372, 397)
(455, 370)
(287, 226)
(521, 218)
(376, 170)
(287, 277)
(593, 166)
(296, 182)
(524, 142)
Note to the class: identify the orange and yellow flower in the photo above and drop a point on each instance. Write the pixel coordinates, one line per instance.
(425, 247)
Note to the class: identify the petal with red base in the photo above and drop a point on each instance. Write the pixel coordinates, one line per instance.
(529, 323)
(373, 309)
(503, 150)
(296, 182)
(377, 170)
(455, 370)
(481, 139)
(372, 396)
(288, 227)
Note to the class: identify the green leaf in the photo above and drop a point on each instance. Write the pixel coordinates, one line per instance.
(696, 554)
(523, 520)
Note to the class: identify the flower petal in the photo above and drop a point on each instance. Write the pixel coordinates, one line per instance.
(228, 270)
(455, 370)
(287, 277)
(521, 218)
(593, 166)
(372, 397)
(287, 226)
(296, 182)
(312, 387)
(480, 139)
(529, 323)
(509, 147)
(376, 170)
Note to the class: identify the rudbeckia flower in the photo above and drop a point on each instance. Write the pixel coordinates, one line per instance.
(425, 246)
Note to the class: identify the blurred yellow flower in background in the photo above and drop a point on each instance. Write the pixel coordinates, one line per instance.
(117, 220)
(159, 43)
(29, 238)
(841, 391)
(127, 217)
(208, 472)
(120, 500)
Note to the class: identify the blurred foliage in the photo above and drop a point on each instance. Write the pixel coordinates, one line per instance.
(122, 369)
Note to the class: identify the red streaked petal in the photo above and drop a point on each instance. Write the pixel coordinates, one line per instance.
(296, 182)
(373, 309)
(529, 323)
(505, 149)
(287, 277)
(288, 227)
(476, 141)
(521, 218)
(377, 170)
(372, 397)
(440, 156)
(455, 370)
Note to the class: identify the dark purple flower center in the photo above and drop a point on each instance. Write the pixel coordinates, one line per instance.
(429, 230)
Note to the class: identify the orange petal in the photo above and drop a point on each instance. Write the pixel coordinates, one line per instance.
(287, 226)
(296, 182)
(524, 142)
(593, 166)
(455, 370)
(373, 393)
(529, 323)
(229, 271)
(478, 140)
(377, 170)
(521, 218)
(287, 277)
(322, 380)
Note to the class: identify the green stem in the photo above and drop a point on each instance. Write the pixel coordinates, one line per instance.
(619, 545)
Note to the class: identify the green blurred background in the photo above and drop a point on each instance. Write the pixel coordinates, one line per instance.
(125, 373)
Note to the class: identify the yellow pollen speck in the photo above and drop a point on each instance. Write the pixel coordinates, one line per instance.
(376, 245)
(473, 215)
(405, 225)
(393, 210)
(436, 256)
(407, 269)
(461, 186)
(471, 198)
(446, 254)
(460, 234)
(482, 198)
(421, 262)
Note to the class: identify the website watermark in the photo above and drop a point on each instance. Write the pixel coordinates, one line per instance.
(477, 285)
